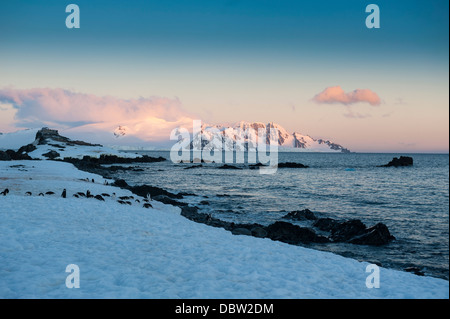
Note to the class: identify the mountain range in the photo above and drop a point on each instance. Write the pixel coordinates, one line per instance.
(127, 137)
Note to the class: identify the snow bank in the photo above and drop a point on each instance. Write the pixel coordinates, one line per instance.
(132, 252)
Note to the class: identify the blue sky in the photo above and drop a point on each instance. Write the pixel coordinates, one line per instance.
(263, 60)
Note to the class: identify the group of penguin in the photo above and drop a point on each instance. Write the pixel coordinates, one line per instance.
(124, 200)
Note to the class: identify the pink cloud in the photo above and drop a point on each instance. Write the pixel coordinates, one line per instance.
(64, 107)
(335, 94)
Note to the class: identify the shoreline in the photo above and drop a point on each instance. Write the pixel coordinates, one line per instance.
(274, 251)
(306, 237)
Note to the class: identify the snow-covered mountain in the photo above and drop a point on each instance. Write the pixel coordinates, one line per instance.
(145, 136)
(244, 135)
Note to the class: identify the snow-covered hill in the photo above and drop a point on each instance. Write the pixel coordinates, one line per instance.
(47, 143)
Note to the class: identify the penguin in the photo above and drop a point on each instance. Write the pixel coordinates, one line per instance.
(5, 192)
(121, 202)
(88, 194)
(106, 195)
(148, 205)
(99, 197)
(64, 193)
(41, 194)
(28, 194)
(137, 201)
(76, 195)
(49, 193)
(128, 203)
(81, 194)
(149, 198)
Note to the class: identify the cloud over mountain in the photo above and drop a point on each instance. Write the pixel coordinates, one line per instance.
(335, 94)
(70, 109)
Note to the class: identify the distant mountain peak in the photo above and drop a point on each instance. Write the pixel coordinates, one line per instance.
(286, 141)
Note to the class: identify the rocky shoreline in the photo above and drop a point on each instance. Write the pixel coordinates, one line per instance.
(352, 231)
(321, 230)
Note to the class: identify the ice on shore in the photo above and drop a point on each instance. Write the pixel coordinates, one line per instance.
(132, 252)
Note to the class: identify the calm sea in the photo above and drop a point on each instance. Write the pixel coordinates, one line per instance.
(412, 201)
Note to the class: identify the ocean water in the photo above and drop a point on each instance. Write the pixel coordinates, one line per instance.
(412, 201)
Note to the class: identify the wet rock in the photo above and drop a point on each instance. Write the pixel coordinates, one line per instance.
(259, 232)
(120, 183)
(255, 166)
(397, 162)
(376, 235)
(226, 166)
(143, 190)
(291, 165)
(415, 270)
(169, 201)
(293, 234)
(194, 166)
(326, 224)
(241, 231)
(345, 231)
(304, 214)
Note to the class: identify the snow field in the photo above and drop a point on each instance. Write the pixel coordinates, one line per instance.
(132, 252)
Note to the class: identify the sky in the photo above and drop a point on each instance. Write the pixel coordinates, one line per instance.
(313, 67)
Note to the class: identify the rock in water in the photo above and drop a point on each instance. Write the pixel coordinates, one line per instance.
(402, 161)
(376, 236)
(293, 234)
(291, 165)
(304, 214)
(326, 224)
(347, 230)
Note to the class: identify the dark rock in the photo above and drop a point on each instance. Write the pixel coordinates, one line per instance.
(143, 190)
(241, 231)
(186, 194)
(194, 166)
(293, 234)
(51, 155)
(26, 149)
(415, 270)
(304, 214)
(291, 165)
(45, 134)
(255, 166)
(4, 156)
(326, 224)
(120, 183)
(226, 166)
(166, 200)
(376, 235)
(15, 156)
(347, 230)
(397, 162)
(259, 232)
